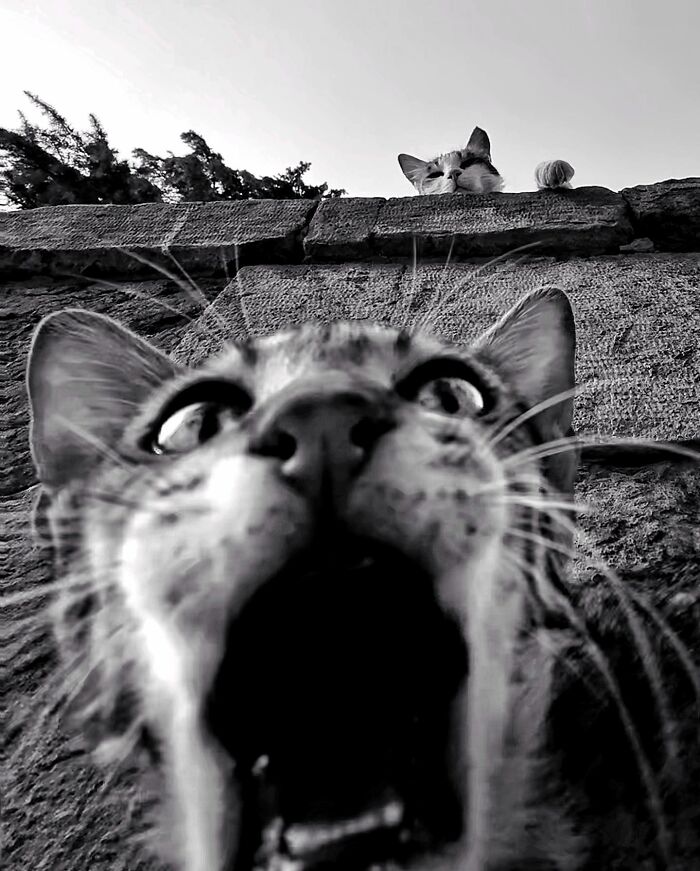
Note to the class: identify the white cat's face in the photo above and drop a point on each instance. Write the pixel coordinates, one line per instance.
(468, 171)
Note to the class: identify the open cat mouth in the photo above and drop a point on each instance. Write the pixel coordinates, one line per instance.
(335, 699)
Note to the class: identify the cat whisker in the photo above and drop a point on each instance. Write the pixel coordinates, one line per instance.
(406, 304)
(548, 595)
(63, 694)
(117, 752)
(603, 667)
(414, 273)
(645, 769)
(196, 291)
(429, 317)
(499, 434)
(448, 260)
(17, 517)
(198, 295)
(543, 504)
(639, 637)
(239, 292)
(21, 625)
(138, 294)
(113, 400)
(542, 541)
(681, 650)
(113, 498)
(186, 287)
(563, 520)
(658, 450)
(224, 265)
(542, 638)
(75, 580)
(89, 438)
(532, 483)
(648, 659)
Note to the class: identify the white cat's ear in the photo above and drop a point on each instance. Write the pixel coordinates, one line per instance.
(86, 377)
(479, 145)
(413, 167)
(534, 347)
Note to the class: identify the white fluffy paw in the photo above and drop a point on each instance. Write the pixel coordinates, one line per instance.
(552, 174)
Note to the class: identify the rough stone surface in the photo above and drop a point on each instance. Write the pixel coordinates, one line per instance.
(668, 213)
(209, 237)
(582, 221)
(637, 318)
(342, 228)
(264, 299)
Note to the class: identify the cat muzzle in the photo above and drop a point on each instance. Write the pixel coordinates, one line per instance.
(322, 433)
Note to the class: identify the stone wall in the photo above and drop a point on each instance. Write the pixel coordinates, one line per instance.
(188, 276)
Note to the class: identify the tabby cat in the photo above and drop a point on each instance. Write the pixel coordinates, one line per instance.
(470, 170)
(313, 572)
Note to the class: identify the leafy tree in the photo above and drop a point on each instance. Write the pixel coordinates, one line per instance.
(54, 164)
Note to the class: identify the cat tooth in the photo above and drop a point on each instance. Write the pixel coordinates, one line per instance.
(392, 814)
(260, 765)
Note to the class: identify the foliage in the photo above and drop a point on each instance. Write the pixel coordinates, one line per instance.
(51, 163)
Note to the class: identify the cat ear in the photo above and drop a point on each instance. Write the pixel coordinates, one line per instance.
(86, 377)
(413, 167)
(479, 145)
(534, 346)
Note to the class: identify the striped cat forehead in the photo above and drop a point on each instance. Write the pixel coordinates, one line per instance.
(450, 159)
(362, 345)
(359, 350)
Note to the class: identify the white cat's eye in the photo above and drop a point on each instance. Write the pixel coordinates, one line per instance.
(191, 426)
(436, 174)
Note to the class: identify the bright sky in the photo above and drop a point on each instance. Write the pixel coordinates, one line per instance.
(612, 86)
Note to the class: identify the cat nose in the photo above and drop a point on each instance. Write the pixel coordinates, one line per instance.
(453, 174)
(322, 435)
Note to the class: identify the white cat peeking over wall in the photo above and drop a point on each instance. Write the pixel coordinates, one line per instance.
(470, 170)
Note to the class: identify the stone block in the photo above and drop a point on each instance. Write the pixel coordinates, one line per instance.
(341, 229)
(203, 237)
(668, 213)
(582, 221)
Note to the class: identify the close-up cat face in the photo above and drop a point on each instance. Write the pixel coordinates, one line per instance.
(468, 171)
(306, 567)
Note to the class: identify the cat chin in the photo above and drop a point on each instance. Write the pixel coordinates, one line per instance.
(450, 188)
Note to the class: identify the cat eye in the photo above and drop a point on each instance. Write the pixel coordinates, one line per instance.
(448, 386)
(195, 416)
(435, 174)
